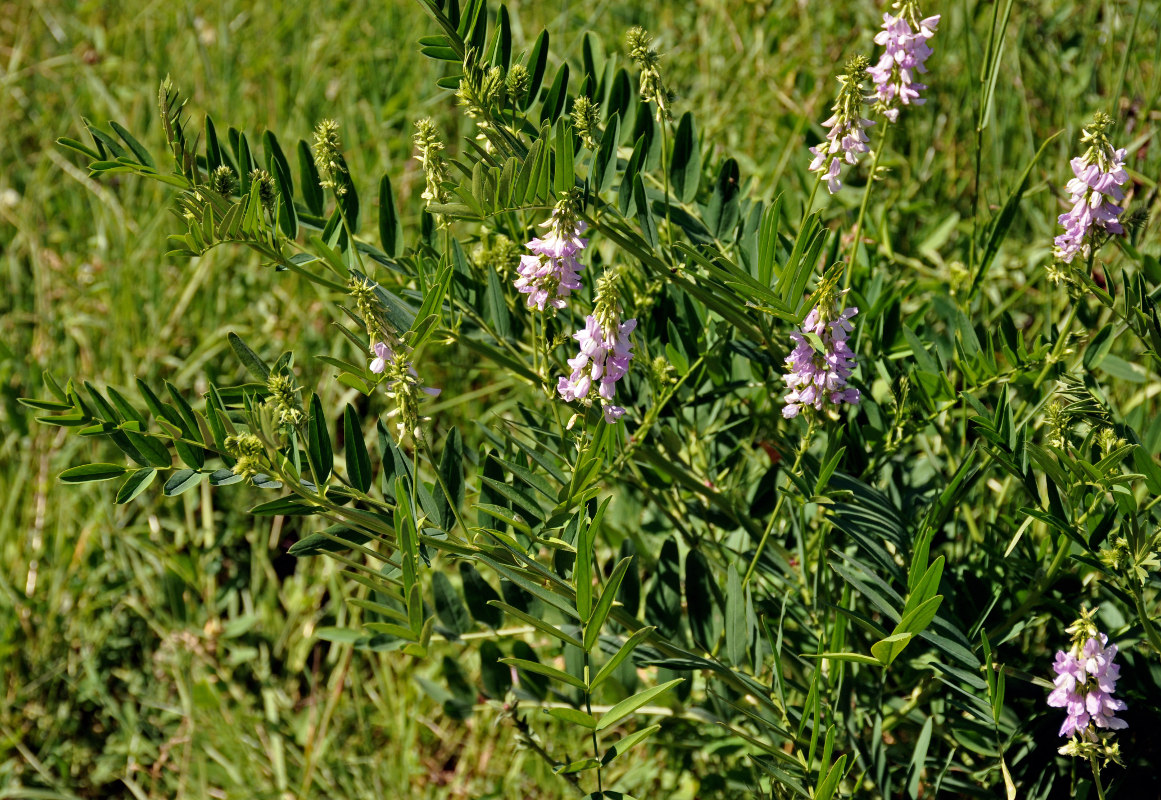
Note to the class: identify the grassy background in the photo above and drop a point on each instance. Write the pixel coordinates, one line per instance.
(167, 648)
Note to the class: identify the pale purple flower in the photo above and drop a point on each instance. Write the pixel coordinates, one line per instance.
(904, 40)
(382, 353)
(385, 356)
(605, 353)
(816, 378)
(552, 272)
(1095, 193)
(1085, 682)
(846, 138)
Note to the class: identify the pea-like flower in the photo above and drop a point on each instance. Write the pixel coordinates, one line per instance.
(1095, 193)
(821, 363)
(846, 139)
(552, 272)
(1086, 677)
(605, 353)
(905, 51)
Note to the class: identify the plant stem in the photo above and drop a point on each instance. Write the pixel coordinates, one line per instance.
(802, 447)
(589, 711)
(863, 205)
(1096, 776)
(1146, 623)
(1058, 347)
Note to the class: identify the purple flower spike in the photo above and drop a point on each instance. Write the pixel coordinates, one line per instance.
(1086, 678)
(846, 139)
(905, 51)
(604, 354)
(552, 272)
(1095, 193)
(816, 378)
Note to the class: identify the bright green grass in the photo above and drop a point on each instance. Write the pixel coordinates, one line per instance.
(166, 648)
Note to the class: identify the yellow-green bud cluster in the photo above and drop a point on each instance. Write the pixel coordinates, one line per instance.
(586, 118)
(429, 145)
(481, 87)
(266, 191)
(362, 292)
(652, 86)
(517, 83)
(284, 399)
(328, 156)
(249, 453)
(501, 254)
(224, 181)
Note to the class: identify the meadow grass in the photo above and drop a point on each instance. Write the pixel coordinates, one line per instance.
(168, 648)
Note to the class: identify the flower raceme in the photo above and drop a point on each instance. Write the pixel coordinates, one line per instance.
(605, 353)
(1094, 192)
(1085, 682)
(820, 374)
(552, 272)
(904, 39)
(846, 139)
(402, 385)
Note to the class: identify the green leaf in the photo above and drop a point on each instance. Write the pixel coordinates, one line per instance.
(565, 176)
(137, 482)
(250, 360)
(545, 670)
(138, 149)
(605, 163)
(685, 164)
(496, 677)
(644, 215)
(153, 451)
(605, 604)
(917, 619)
(622, 653)
(705, 620)
(625, 744)
(92, 472)
(888, 649)
(182, 481)
(312, 192)
(358, 459)
(537, 64)
(479, 595)
(451, 471)
(318, 443)
(536, 622)
(390, 227)
(737, 632)
(334, 539)
(572, 716)
(448, 606)
(631, 704)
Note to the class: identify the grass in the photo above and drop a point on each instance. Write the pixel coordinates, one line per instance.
(168, 648)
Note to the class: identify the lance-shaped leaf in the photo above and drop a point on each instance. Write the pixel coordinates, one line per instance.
(631, 704)
(622, 653)
(358, 459)
(685, 165)
(448, 605)
(318, 443)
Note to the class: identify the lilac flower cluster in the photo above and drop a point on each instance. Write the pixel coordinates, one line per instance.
(552, 272)
(605, 353)
(904, 39)
(1086, 678)
(846, 139)
(1095, 193)
(816, 377)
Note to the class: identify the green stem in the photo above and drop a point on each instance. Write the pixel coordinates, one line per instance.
(1146, 623)
(1058, 347)
(802, 447)
(665, 176)
(589, 711)
(1096, 776)
(863, 205)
